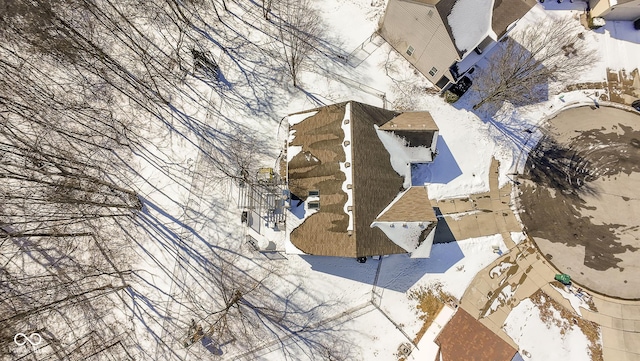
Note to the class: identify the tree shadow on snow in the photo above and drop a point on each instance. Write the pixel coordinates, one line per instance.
(500, 63)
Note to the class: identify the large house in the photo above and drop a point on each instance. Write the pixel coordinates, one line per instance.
(443, 39)
(348, 170)
(615, 9)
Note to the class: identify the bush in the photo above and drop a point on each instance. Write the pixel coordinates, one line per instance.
(596, 22)
(449, 97)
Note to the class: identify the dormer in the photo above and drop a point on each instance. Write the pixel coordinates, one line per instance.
(313, 200)
(418, 129)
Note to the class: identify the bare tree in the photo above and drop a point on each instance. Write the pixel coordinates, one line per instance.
(299, 28)
(248, 313)
(266, 8)
(73, 76)
(525, 63)
(62, 264)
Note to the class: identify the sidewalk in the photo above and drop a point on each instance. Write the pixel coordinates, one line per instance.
(482, 214)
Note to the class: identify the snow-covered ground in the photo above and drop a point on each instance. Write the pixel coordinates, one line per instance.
(337, 290)
(577, 300)
(427, 348)
(540, 341)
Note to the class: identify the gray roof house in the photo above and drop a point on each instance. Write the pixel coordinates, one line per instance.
(443, 39)
(615, 9)
(348, 171)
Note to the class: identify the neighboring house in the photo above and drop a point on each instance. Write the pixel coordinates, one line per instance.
(615, 9)
(465, 338)
(443, 39)
(349, 179)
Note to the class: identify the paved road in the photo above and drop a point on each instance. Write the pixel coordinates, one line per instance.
(580, 196)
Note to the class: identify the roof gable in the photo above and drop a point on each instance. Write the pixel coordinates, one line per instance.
(465, 338)
(413, 205)
(504, 13)
(411, 121)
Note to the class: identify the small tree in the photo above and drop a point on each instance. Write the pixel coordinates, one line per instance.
(551, 50)
(299, 28)
(266, 8)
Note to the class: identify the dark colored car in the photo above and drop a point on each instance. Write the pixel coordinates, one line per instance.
(636, 105)
(461, 86)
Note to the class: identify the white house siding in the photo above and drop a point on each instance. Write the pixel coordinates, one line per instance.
(598, 7)
(615, 10)
(434, 143)
(627, 11)
(409, 24)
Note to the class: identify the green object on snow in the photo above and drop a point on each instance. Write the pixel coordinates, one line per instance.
(563, 278)
(449, 97)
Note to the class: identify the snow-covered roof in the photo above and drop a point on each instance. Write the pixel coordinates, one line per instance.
(507, 12)
(402, 155)
(345, 167)
(296, 118)
(470, 22)
(411, 236)
(427, 348)
(409, 221)
(338, 142)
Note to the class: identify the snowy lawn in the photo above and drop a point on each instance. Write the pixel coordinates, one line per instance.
(454, 265)
(543, 331)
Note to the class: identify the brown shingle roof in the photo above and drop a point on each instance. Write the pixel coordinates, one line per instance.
(465, 338)
(413, 121)
(317, 167)
(505, 12)
(375, 183)
(413, 206)
(428, 2)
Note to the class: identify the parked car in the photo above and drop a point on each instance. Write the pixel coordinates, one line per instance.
(636, 104)
(461, 86)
